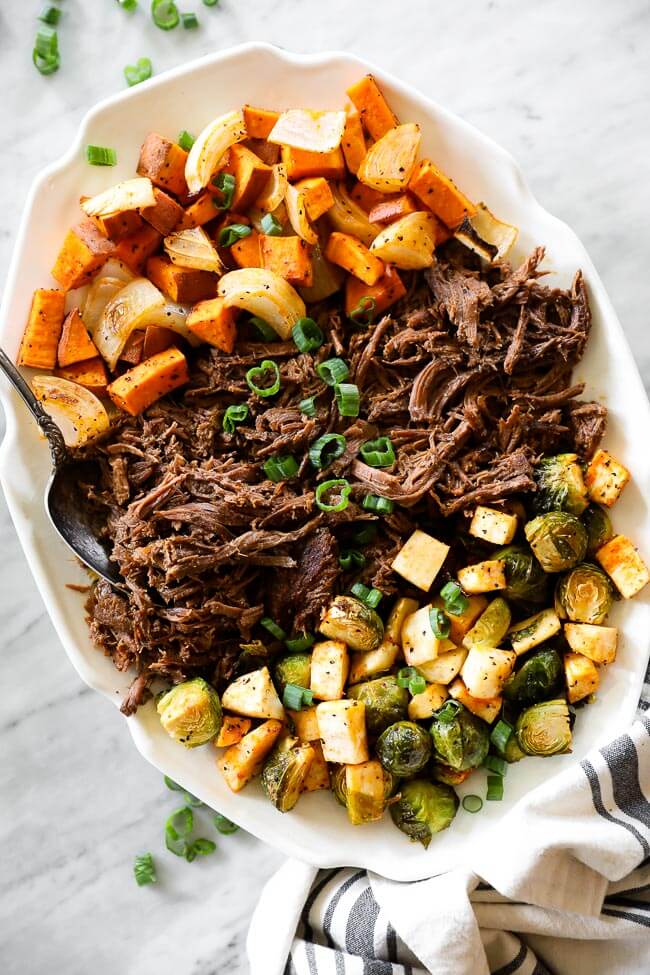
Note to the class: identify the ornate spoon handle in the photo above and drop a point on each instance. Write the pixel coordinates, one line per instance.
(44, 420)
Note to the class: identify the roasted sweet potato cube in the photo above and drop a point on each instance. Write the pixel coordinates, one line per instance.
(157, 339)
(135, 251)
(42, 332)
(250, 175)
(353, 142)
(246, 251)
(232, 730)
(259, 121)
(90, 374)
(84, 251)
(119, 225)
(353, 256)
(440, 194)
(367, 197)
(141, 386)
(385, 292)
(165, 214)
(75, 344)
(268, 152)
(392, 208)
(215, 324)
(133, 351)
(202, 211)
(376, 115)
(185, 285)
(164, 163)
(290, 257)
(301, 163)
(318, 196)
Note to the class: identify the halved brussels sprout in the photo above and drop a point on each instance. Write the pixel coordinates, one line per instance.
(354, 623)
(294, 668)
(461, 741)
(539, 677)
(404, 748)
(491, 626)
(386, 702)
(560, 485)
(424, 808)
(285, 771)
(512, 752)
(340, 787)
(525, 579)
(599, 528)
(584, 594)
(448, 775)
(190, 712)
(558, 540)
(545, 728)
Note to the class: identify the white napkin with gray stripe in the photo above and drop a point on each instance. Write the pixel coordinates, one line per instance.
(572, 895)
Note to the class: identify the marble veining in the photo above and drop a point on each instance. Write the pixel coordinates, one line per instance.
(565, 88)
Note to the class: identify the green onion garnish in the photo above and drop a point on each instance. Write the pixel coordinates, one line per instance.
(374, 502)
(472, 803)
(298, 644)
(200, 847)
(339, 485)
(50, 15)
(364, 313)
(164, 14)
(257, 374)
(140, 71)
(210, 3)
(224, 825)
(189, 21)
(225, 183)
(455, 600)
(495, 764)
(177, 828)
(101, 156)
(406, 675)
(447, 712)
(307, 335)
(144, 870)
(327, 449)
(281, 468)
(500, 734)
(46, 50)
(296, 697)
(333, 371)
(417, 685)
(378, 453)
(350, 558)
(308, 406)
(230, 235)
(272, 627)
(190, 800)
(186, 141)
(494, 788)
(371, 597)
(236, 413)
(129, 5)
(347, 399)
(365, 535)
(271, 226)
(266, 332)
(440, 624)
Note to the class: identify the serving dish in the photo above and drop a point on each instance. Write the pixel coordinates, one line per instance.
(259, 73)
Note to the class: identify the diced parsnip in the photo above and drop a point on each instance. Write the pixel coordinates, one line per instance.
(373, 662)
(306, 723)
(385, 293)
(354, 257)
(135, 250)
(487, 709)
(41, 337)
(254, 696)
(376, 116)
(621, 561)
(534, 630)
(232, 730)
(420, 559)
(440, 194)
(353, 142)
(491, 626)
(75, 344)
(461, 623)
(318, 776)
(419, 643)
(402, 608)
(165, 215)
(342, 727)
(84, 251)
(582, 677)
(605, 478)
(185, 285)
(596, 642)
(301, 163)
(245, 759)
(483, 576)
(445, 667)
(485, 671)
(365, 789)
(141, 386)
(164, 163)
(318, 196)
(251, 175)
(330, 664)
(290, 257)
(424, 705)
(213, 323)
(493, 526)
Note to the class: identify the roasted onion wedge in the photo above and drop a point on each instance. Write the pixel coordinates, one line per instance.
(297, 212)
(488, 237)
(328, 278)
(205, 155)
(264, 294)
(78, 413)
(311, 131)
(131, 194)
(274, 191)
(408, 243)
(348, 217)
(193, 248)
(129, 309)
(100, 292)
(388, 164)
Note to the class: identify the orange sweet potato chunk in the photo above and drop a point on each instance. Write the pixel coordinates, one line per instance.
(353, 142)
(135, 250)
(259, 121)
(318, 196)
(213, 323)
(440, 194)
(75, 344)
(119, 225)
(84, 251)
(232, 730)
(165, 214)
(141, 386)
(182, 284)
(43, 330)
(376, 115)
(90, 374)
(157, 339)
(164, 163)
(268, 152)
(133, 351)
(251, 175)
(353, 256)
(392, 208)
(385, 292)
(290, 257)
(367, 197)
(202, 211)
(301, 163)
(246, 251)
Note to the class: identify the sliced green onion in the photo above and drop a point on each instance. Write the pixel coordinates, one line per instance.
(257, 374)
(164, 14)
(406, 675)
(296, 697)
(236, 413)
(494, 788)
(350, 558)
(365, 535)
(378, 453)
(200, 847)
(417, 685)
(381, 506)
(267, 333)
(50, 15)
(186, 141)
(308, 406)
(364, 313)
(281, 468)
(231, 234)
(307, 335)
(495, 764)
(46, 65)
(101, 156)
(327, 449)
(298, 644)
(333, 371)
(210, 3)
(339, 485)
(271, 226)
(272, 627)
(500, 734)
(128, 4)
(140, 71)
(225, 183)
(448, 712)
(174, 786)
(181, 822)
(371, 597)
(144, 870)
(46, 50)
(347, 399)
(440, 624)
(224, 825)
(189, 21)
(455, 600)
(472, 803)
(190, 800)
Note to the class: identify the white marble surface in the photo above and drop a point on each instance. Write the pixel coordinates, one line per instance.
(565, 87)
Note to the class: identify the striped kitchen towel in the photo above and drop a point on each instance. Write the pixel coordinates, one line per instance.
(564, 888)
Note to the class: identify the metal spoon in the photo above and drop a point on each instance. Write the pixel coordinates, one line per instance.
(64, 503)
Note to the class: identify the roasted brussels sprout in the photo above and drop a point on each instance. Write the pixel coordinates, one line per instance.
(386, 702)
(339, 784)
(544, 729)
(190, 712)
(450, 776)
(558, 540)
(584, 594)
(294, 668)
(526, 581)
(404, 748)
(512, 752)
(539, 677)
(354, 623)
(285, 771)
(560, 485)
(460, 740)
(599, 528)
(491, 626)
(424, 808)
